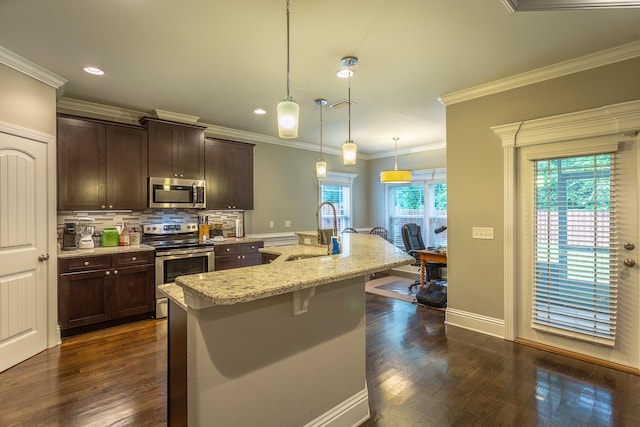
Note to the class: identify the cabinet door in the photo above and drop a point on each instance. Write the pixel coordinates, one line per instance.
(126, 167)
(84, 298)
(216, 174)
(226, 262)
(81, 165)
(229, 174)
(133, 291)
(189, 153)
(251, 259)
(160, 145)
(240, 160)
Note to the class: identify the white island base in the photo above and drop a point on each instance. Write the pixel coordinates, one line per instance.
(259, 364)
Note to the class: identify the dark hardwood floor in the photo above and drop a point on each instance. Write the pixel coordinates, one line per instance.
(420, 373)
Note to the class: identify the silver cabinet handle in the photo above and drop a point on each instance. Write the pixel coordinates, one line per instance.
(115, 272)
(86, 263)
(133, 258)
(107, 273)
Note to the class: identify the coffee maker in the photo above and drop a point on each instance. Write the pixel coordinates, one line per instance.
(69, 236)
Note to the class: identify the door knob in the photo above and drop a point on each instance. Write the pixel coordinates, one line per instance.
(43, 258)
(629, 262)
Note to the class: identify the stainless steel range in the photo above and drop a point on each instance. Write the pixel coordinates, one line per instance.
(178, 252)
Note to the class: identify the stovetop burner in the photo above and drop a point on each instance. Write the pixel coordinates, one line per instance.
(173, 236)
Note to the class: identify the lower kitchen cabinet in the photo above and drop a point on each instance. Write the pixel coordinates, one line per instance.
(237, 255)
(97, 290)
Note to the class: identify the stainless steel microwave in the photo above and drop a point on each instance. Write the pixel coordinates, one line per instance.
(177, 193)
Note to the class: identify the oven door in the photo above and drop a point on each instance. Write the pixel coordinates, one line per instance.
(179, 263)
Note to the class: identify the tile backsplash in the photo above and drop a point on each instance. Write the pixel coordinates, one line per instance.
(136, 219)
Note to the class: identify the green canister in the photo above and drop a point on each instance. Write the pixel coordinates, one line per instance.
(110, 236)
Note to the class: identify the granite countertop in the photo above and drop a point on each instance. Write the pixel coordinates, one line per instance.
(174, 293)
(362, 254)
(102, 250)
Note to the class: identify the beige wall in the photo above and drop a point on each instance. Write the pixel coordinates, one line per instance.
(474, 171)
(26, 102)
(286, 188)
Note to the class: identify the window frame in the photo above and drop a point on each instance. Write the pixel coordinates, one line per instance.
(339, 179)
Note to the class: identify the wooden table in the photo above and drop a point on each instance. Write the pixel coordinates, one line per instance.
(429, 255)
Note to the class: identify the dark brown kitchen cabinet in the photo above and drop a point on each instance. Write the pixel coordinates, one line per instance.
(175, 150)
(229, 174)
(237, 255)
(101, 165)
(94, 291)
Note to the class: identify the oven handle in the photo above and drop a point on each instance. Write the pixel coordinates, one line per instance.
(178, 253)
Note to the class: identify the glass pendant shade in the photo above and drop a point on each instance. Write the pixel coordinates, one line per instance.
(349, 153)
(321, 169)
(396, 176)
(288, 112)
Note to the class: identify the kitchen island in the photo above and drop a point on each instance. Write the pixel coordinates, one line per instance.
(282, 343)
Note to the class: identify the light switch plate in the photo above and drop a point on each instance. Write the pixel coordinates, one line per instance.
(482, 233)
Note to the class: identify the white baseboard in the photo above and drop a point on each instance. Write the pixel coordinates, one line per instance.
(350, 413)
(475, 322)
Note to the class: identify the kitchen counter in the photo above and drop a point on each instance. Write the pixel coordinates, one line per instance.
(108, 250)
(285, 339)
(361, 255)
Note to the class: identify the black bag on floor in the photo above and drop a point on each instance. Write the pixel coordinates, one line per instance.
(433, 295)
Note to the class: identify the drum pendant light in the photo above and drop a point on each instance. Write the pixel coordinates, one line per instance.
(395, 176)
(349, 148)
(288, 110)
(321, 165)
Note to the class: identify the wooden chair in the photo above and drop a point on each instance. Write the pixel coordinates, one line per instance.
(380, 231)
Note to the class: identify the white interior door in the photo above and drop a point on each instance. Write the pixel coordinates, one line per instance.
(23, 229)
(625, 349)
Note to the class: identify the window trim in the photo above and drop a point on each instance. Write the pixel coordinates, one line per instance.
(340, 179)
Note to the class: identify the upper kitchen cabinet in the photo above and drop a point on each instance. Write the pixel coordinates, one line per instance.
(229, 174)
(101, 165)
(176, 150)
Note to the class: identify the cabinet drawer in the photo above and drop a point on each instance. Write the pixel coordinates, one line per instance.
(249, 248)
(71, 265)
(133, 258)
(223, 250)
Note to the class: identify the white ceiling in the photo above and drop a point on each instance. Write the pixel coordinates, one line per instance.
(219, 60)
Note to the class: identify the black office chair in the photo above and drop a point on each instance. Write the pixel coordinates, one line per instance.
(349, 230)
(412, 239)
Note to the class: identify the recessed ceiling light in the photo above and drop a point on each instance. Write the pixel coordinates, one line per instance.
(260, 111)
(93, 70)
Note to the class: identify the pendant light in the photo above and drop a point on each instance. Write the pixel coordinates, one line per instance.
(396, 176)
(349, 148)
(288, 110)
(321, 165)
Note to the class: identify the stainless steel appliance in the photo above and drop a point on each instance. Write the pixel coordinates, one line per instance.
(177, 193)
(178, 253)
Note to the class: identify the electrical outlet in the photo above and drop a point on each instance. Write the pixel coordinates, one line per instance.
(270, 224)
(287, 223)
(482, 233)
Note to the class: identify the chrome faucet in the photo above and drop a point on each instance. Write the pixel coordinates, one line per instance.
(323, 234)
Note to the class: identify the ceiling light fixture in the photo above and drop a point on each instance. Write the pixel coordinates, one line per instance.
(94, 70)
(260, 111)
(349, 148)
(288, 110)
(396, 176)
(321, 165)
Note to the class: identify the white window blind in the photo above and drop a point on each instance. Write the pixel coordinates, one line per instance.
(575, 253)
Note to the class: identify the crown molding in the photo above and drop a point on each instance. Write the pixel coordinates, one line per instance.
(35, 71)
(623, 118)
(124, 115)
(34, 135)
(583, 63)
(529, 5)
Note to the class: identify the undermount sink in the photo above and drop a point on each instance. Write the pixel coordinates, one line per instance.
(302, 256)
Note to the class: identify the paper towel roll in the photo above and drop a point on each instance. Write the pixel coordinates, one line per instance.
(239, 228)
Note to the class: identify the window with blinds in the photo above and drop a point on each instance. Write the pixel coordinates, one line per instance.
(575, 257)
